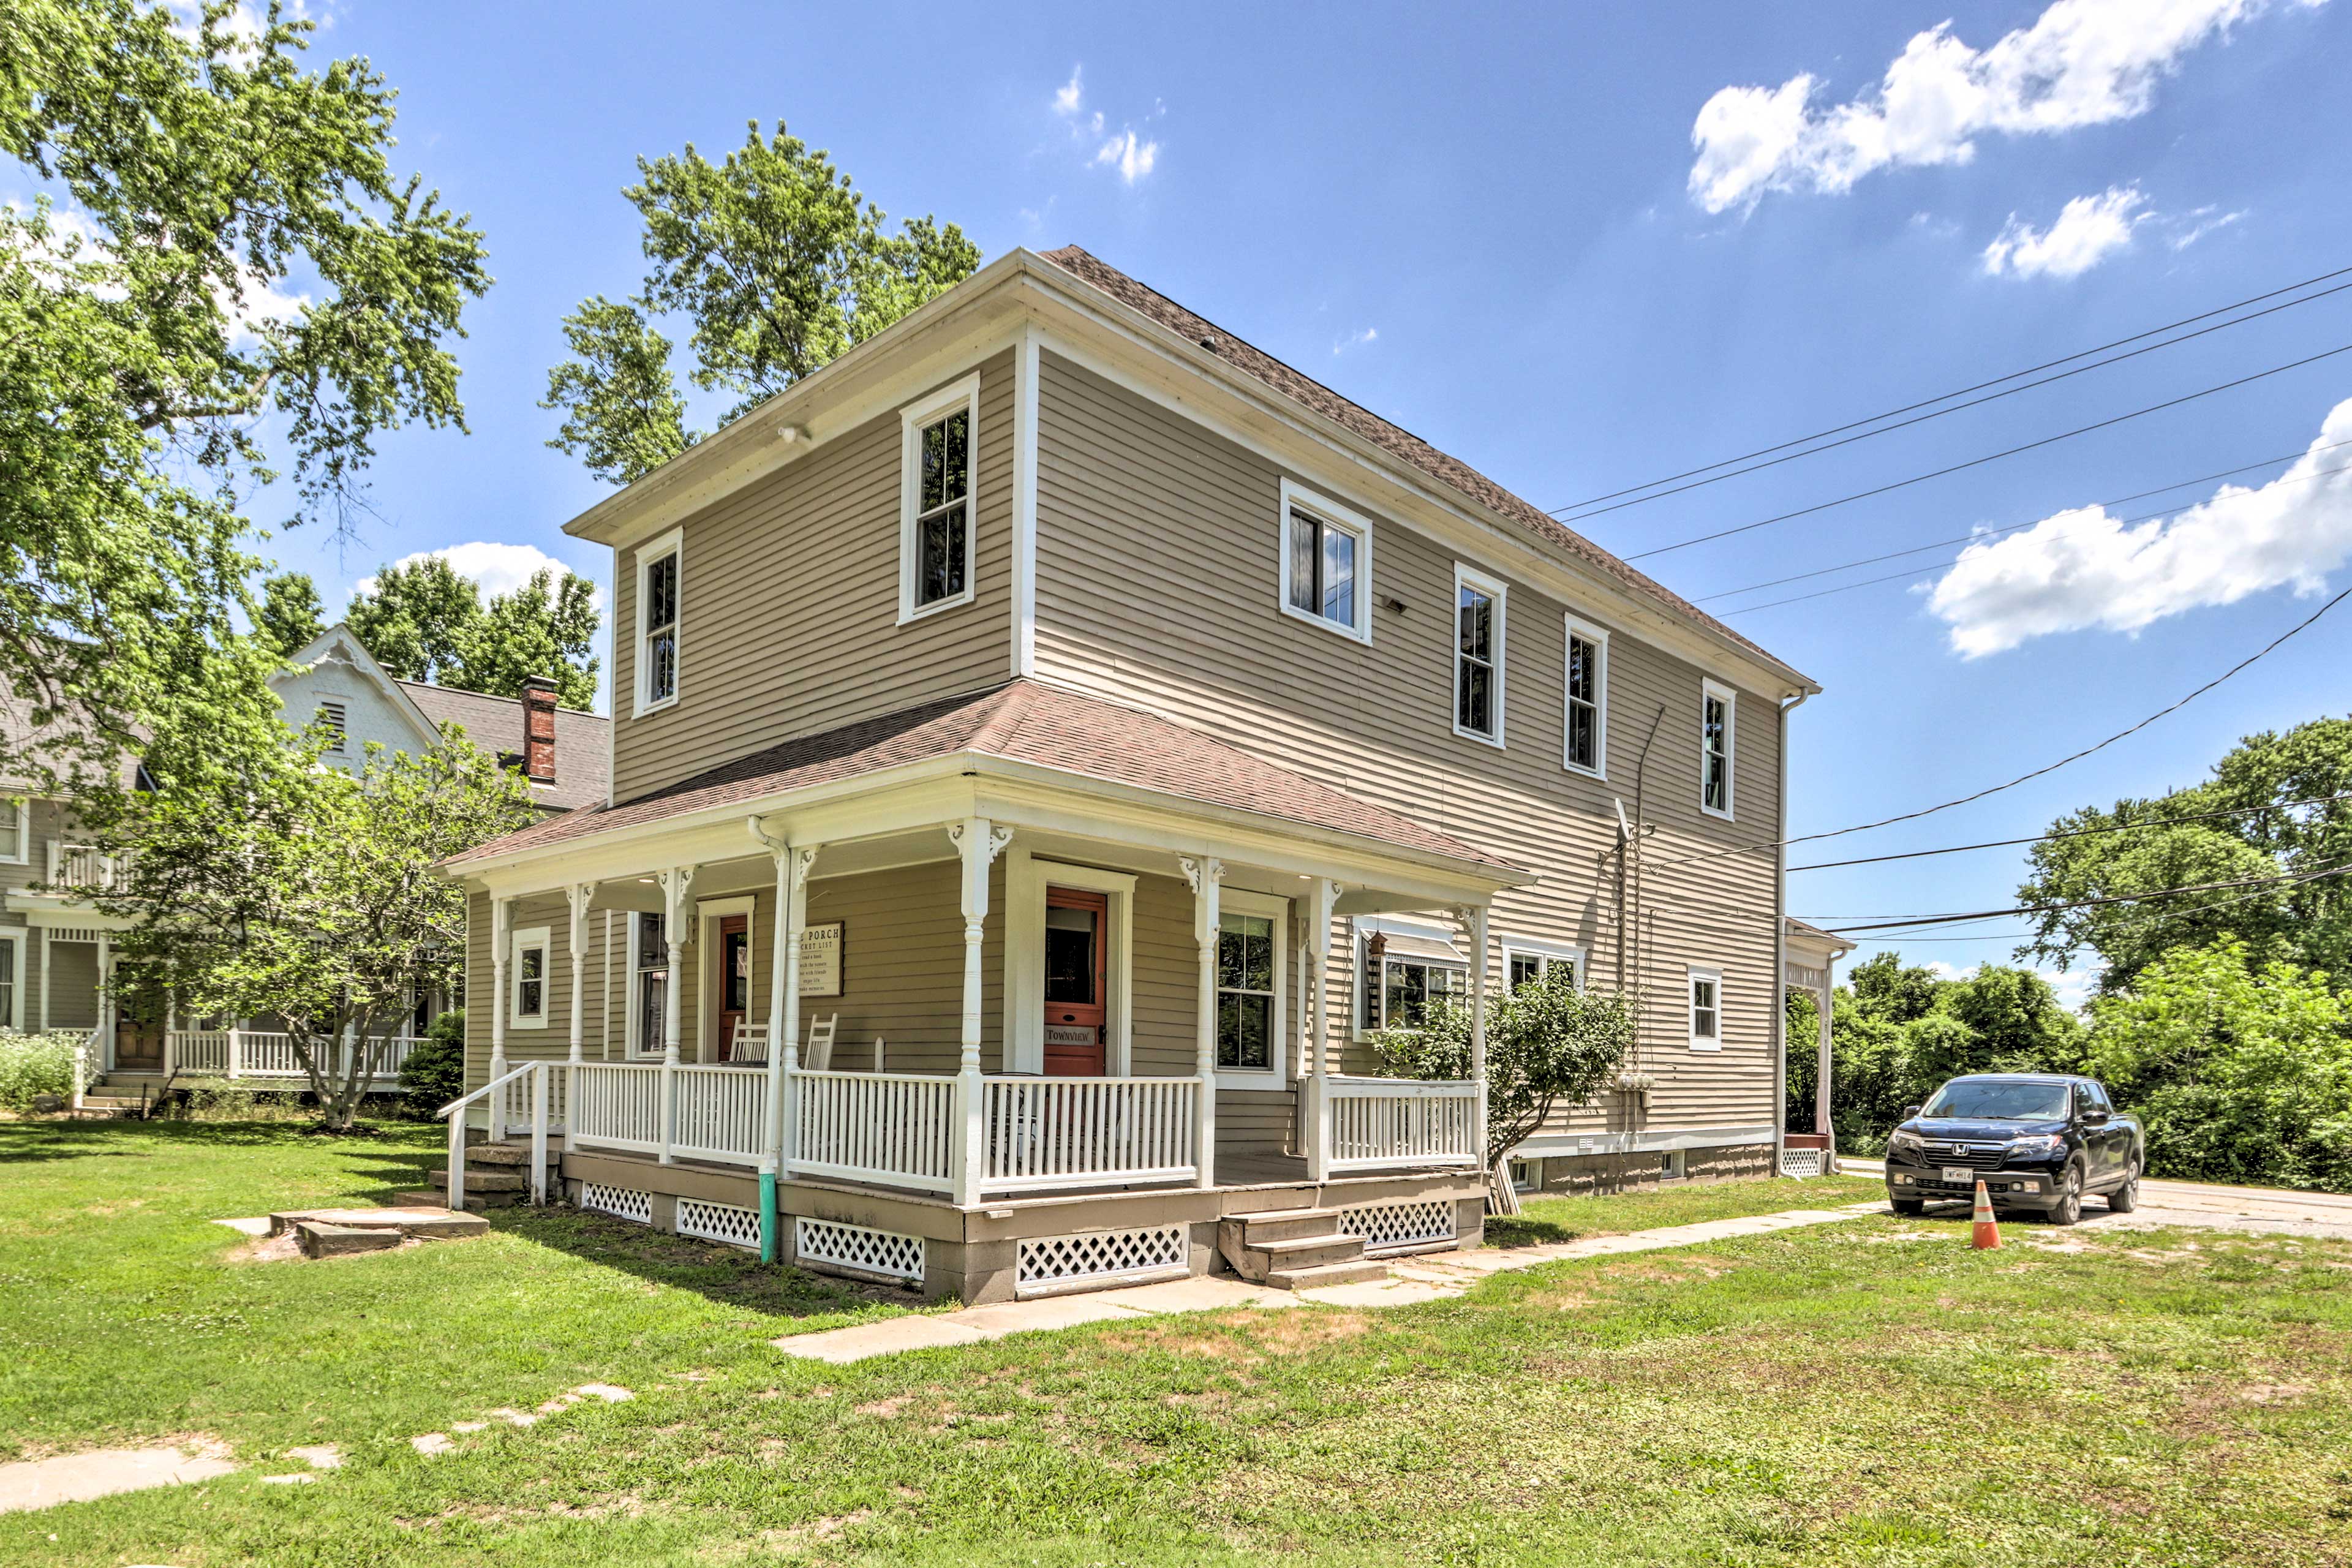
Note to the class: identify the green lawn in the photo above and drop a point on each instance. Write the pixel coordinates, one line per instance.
(1566, 1220)
(1867, 1393)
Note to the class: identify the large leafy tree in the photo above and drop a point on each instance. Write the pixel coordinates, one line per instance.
(287, 614)
(220, 282)
(262, 883)
(2308, 923)
(779, 264)
(427, 621)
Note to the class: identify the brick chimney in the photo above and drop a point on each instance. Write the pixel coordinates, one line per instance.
(539, 729)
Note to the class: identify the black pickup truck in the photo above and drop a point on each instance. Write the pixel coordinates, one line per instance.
(2039, 1142)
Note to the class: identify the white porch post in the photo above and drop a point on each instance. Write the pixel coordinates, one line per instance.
(677, 888)
(170, 1031)
(1478, 955)
(501, 920)
(1206, 874)
(578, 896)
(792, 863)
(45, 977)
(979, 843)
(1316, 1002)
(106, 1000)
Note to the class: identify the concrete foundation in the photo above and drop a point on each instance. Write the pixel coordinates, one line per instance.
(1590, 1175)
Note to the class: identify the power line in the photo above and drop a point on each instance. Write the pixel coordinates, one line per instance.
(2013, 527)
(1963, 392)
(2242, 664)
(2092, 903)
(1938, 414)
(2081, 832)
(1991, 456)
(2061, 533)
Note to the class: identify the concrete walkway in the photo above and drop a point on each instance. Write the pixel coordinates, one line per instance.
(1426, 1277)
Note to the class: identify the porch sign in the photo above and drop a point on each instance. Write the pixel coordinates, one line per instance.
(820, 961)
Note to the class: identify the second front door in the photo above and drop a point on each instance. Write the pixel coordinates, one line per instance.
(1077, 924)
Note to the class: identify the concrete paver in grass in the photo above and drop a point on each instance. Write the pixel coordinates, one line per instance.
(76, 1478)
(1422, 1277)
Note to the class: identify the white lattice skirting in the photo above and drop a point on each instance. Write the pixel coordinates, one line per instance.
(619, 1201)
(718, 1222)
(1387, 1227)
(1051, 1264)
(1804, 1163)
(858, 1250)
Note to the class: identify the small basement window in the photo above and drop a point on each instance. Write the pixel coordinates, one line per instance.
(935, 542)
(1523, 1176)
(1327, 564)
(1672, 1164)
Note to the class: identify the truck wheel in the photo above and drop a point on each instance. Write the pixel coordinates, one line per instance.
(2126, 1199)
(2069, 1207)
(1906, 1206)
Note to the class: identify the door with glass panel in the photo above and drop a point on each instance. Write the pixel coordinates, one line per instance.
(1076, 924)
(734, 979)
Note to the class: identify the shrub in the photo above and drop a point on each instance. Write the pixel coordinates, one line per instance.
(33, 1065)
(435, 1072)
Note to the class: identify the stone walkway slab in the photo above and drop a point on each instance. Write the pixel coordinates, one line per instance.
(1203, 1293)
(415, 1220)
(76, 1478)
(889, 1337)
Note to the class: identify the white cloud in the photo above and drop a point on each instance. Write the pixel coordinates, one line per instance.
(2088, 230)
(1065, 101)
(1356, 340)
(499, 568)
(2192, 226)
(2082, 568)
(2082, 62)
(1132, 155)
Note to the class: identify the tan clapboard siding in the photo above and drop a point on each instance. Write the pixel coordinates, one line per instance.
(790, 605)
(1157, 573)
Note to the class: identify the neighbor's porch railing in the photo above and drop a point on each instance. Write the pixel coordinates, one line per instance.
(1372, 1123)
(79, 866)
(266, 1053)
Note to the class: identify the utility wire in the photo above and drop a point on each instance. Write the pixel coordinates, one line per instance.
(1993, 456)
(2013, 527)
(1940, 412)
(2093, 903)
(2060, 533)
(1963, 392)
(2081, 832)
(2242, 664)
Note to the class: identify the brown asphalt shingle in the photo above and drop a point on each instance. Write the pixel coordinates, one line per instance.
(583, 756)
(1022, 721)
(1448, 470)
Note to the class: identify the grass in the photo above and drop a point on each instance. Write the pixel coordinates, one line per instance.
(1567, 1219)
(1870, 1393)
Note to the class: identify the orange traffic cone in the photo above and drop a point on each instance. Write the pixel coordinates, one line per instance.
(1987, 1234)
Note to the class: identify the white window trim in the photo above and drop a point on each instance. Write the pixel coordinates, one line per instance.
(1025, 880)
(1242, 902)
(1527, 1163)
(670, 543)
(1361, 936)
(912, 420)
(1578, 627)
(1550, 951)
(635, 1047)
(1332, 515)
(542, 938)
(12, 1022)
(1471, 577)
(1711, 687)
(23, 807)
(707, 914)
(1693, 975)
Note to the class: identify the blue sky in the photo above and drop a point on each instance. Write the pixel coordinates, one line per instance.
(1551, 242)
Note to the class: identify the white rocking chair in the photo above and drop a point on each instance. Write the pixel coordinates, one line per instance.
(749, 1046)
(819, 1056)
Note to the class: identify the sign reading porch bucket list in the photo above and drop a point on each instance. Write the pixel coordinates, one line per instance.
(821, 960)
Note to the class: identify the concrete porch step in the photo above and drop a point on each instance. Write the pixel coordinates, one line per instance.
(509, 1154)
(486, 1179)
(1291, 1248)
(475, 1199)
(1311, 1251)
(1285, 1225)
(1356, 1273)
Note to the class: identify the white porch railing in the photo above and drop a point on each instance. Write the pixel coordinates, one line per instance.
(265, 1053)
(1373, 1122)
(896, 1129)
(702, 1113)
(1086, 1131)
(78, 866)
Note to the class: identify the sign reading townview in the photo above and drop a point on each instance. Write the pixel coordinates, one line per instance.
(820, 961)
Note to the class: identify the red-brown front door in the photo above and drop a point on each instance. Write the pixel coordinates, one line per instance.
(734, 979)
(1077, 925)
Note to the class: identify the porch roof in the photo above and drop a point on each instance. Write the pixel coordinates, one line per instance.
(1022, 721)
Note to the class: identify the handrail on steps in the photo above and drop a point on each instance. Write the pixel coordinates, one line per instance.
(454, 1113)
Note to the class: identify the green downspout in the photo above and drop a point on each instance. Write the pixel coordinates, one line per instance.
(769, 1239)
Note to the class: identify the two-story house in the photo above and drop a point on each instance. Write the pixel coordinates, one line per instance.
(1063, 731)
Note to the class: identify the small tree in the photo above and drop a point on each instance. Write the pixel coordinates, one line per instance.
(267, 884)
(1548, 1044)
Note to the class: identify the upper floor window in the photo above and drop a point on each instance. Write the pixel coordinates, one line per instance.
(330, 717)
(528, 1006)
(660, 566)
(1586, 751)
(1715, 745)
(1707, 1009)
(1327, 564)
(15, 831)
(935, 542)
(1477, 656)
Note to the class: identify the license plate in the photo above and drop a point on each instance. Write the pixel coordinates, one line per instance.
(1961, 1174)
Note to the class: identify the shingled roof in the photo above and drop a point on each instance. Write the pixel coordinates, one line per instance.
(1023, 721)
(1450, 471)
(583, 756)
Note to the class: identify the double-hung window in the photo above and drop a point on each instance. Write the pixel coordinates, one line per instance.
(1327, 564)
(1714, 743)
(7, 973)
(1477, 656)
(935, 538)
(1705, 1009)
(649, 984)
(528, 981)
(660, 572)
(15, 831)
(1248, 997)
(1586, 751)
